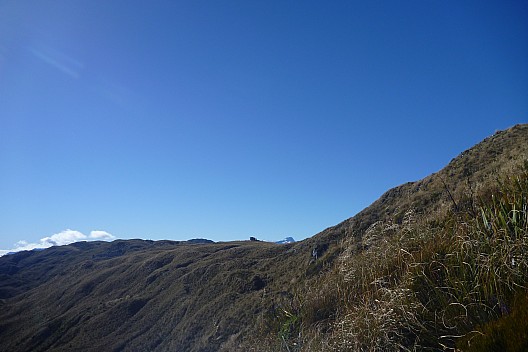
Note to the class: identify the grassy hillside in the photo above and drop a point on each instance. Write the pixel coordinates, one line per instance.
(137, 295)
(433, 264)
(426, 283)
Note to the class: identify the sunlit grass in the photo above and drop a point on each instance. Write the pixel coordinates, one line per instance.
(423, 284)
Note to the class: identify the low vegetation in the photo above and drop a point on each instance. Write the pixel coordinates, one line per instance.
(425, 283)
(433, 265)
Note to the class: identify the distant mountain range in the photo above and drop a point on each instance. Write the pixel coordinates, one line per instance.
(201, 296)
(33, 249)
(286, 240)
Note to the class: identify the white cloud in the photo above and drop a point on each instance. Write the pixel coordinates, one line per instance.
(101, 236)
(63, 237)
(60, 239)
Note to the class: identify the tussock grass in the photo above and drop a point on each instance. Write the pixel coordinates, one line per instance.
(424, 283)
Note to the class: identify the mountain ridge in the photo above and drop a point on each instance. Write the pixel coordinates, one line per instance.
(504, 153)
(130, 295)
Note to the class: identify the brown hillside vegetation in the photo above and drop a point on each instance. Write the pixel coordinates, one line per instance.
(433, 264)
(137, 295)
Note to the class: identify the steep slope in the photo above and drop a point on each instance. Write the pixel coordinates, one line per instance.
(471, 171)
(177, 296)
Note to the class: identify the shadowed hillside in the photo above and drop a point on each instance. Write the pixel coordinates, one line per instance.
(139, 295)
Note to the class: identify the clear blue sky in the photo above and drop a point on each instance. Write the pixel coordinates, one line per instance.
(230, 119)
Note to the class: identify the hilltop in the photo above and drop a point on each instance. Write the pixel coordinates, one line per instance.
(134, 295)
